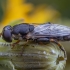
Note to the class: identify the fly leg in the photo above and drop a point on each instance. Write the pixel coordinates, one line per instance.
(47, 40)
(13, 45)
(60, 46)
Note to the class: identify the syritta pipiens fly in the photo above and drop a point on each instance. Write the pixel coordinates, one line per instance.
(47, 32)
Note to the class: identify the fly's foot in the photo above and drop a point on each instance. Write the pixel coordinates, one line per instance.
(13, 45)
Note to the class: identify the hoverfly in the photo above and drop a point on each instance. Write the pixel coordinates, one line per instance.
(42, 33)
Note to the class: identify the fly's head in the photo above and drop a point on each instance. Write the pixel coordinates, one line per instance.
(7, 33)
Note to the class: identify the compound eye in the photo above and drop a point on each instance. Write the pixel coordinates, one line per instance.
(6, 34)
(31, 28)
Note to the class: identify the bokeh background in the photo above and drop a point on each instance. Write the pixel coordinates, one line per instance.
(37, 12)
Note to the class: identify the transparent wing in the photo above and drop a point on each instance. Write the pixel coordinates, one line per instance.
(51, 30)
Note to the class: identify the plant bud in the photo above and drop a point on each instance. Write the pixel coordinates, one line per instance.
(33, 56)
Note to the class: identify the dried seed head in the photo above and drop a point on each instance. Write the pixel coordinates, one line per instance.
(40, 57)
(35, 56)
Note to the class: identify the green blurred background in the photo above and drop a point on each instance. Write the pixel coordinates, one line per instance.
(63, 6)
(37, 11)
